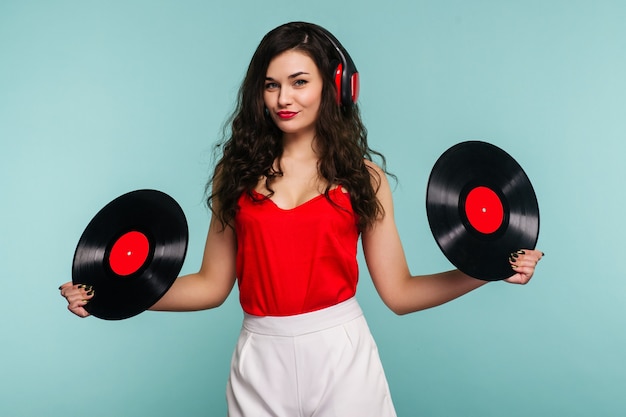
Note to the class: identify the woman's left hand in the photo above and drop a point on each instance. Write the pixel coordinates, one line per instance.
(523, 263)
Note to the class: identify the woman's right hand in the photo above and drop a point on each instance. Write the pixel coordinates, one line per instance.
(77, 296)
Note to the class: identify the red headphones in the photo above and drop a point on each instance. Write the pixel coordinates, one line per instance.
(346, 75)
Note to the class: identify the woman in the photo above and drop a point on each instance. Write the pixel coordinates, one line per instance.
(292, 193)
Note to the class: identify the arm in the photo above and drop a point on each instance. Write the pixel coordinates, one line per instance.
(404, 293)
(211, 285)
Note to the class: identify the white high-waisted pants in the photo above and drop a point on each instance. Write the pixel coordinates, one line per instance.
(319, 364)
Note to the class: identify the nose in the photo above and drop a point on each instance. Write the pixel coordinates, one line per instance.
(284, 97)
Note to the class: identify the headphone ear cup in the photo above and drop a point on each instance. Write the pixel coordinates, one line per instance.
(338, 77)
(345, 73)
(354, 87)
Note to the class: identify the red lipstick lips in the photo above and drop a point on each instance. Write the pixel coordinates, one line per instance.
(286, 114)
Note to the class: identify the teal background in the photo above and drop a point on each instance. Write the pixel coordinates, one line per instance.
(101, 98)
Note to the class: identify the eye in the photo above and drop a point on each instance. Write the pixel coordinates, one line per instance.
(300, 83)
(271, 85)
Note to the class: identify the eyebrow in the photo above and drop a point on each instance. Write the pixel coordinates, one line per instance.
(292, 76)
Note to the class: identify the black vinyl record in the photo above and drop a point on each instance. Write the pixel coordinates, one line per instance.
(481, 207)
(130, 253)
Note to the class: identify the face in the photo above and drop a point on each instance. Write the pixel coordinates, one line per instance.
(293, 93)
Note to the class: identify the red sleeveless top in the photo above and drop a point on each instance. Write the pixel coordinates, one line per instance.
(298, 260)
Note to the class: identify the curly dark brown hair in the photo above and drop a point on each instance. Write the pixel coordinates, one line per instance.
(253, 142)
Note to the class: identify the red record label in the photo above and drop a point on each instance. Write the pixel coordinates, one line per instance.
(484, 210)
(129, 252)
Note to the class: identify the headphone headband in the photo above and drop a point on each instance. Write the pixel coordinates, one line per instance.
(345, 73)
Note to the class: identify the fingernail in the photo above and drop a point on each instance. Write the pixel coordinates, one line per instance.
(90, 293)
(521, 252)
(514, 255)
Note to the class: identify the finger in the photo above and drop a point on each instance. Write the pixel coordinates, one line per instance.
(82, 292)
(77, 302)
(519, 278)
(532, 253)
(69, 291)
(525, 272)
(524, 263)
(66, 285)
(525, 257)
(524, 269)
(79, 310)
(79, 298)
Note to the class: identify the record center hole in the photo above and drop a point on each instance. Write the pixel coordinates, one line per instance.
(129, 252)
(484, 210)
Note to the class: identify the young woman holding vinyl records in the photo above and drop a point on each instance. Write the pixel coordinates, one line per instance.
(293, 192)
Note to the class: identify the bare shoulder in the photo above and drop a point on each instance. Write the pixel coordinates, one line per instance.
(371, 165)
(377, 175)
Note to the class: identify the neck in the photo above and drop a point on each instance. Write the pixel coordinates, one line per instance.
(299, 146)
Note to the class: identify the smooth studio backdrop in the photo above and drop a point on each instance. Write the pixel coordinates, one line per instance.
(101, 98)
